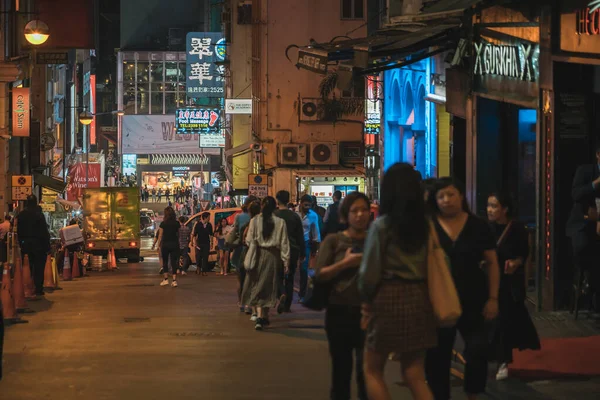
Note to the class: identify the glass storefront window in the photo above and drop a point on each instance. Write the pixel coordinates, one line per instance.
(170, 102)
(157, 102)
(156, 71)
(142, 72)
(171, 72)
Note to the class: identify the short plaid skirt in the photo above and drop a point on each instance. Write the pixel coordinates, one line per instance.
(403, 319)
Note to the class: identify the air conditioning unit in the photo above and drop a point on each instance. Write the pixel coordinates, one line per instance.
(292, 154)
(324, 153)
(309, 109)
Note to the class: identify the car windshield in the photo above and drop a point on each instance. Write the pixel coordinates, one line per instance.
(145, 221)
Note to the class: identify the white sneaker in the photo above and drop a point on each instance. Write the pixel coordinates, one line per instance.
(165, 282)
(183, 273)
(502, 373)
(174, 284)
(253, 318)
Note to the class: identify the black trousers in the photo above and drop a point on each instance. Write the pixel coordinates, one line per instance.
(585, 246)
(184, 256)
(170, 252)
(37, 263)
(288, 279)
(1, 340)
(202, 253)
(345, 337)
(474, 331)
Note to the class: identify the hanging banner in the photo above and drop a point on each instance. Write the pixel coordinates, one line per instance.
(204, 77)
(197, 120)
(78, 180)
(21, 113)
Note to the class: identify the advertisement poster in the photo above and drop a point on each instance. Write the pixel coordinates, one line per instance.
(78, 180)
(197, 120)
(155, 134)
(205, 77)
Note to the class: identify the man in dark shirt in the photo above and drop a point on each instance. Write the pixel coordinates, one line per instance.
(203, 231)
(332, 217)
(295, 233)
(581, 226)
(34, 238)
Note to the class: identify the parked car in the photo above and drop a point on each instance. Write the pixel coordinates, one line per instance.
(215, 217)
(147, 226)
(146, 212)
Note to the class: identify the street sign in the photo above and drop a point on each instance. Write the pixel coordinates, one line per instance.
(48, 207)
(57, 57)
(22, 181)
(238, 106)
(21, 193)
(204, 204)
(258, 185)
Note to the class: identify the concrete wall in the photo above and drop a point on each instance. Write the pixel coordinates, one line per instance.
(292, 22)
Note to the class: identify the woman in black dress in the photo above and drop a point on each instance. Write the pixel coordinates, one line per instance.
(467, 240)
(514, 330)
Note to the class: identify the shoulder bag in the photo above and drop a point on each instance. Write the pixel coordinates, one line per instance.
(317, 292)
(253, 254)
(442, 290)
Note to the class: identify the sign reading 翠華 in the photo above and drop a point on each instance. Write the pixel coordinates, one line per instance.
(205, 77)
(510, 61)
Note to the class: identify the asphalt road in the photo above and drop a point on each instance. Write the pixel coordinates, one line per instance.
(119, 335)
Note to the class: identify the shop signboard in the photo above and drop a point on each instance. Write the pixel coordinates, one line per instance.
(203, 121)
(373, 106)
(78, 180)
(313, 60)
(238, 106)
(56, 57)
(21, 112)
(511, 61)
(580, 29)
(204, 76)
(155, 134)
(181, 172)
(22, 186)
(258, 185)
(213, 141)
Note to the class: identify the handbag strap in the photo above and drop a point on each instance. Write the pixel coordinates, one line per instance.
(503, 236)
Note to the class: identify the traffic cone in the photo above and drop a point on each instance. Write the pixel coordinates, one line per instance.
(75, 269)
(18, 286)
(55, 274)
(109, 260)
(114, 259)
(48, 275)
(27, 279)
(67, 267)
(9, 310)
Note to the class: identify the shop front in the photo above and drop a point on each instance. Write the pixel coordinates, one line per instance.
(323, 184)
(570, 126)
(502, 142)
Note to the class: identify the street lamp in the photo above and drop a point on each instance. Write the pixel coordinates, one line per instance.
(36, 32)
(86, 118)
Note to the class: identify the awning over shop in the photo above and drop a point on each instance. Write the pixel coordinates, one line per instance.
(49, 182)
(384, 50)
(308, 173)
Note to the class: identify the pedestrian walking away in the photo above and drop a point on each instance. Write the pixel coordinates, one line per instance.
(34, 239)
(515, 329)
(398, 315)
(331, 220)
(467, 241)
(185, 236)
(221, 233)
(239, 227)
(337, 263)
(168, 237)
(295, 233)
(202, 236)
(312, 238)
(268, 234)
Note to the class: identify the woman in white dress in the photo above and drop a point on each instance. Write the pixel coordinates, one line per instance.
(273, 252)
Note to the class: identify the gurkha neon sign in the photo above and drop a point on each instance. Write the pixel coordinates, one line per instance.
(509, 61)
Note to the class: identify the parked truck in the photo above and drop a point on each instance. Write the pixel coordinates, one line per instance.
(112, 220)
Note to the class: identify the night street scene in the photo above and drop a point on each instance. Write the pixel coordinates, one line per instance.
(300, 200)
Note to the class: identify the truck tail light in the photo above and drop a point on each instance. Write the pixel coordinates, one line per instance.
(91, 245)
(132, 244)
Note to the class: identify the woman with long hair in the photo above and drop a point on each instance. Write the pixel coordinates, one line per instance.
(240, 224)
(168, 237)
(221, 233)
(514, 329)
(393, 284)
(337, 262)
(253, 210)
(269, 234)
(468, 242)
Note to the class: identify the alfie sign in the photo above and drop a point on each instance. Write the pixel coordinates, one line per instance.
(505, 60)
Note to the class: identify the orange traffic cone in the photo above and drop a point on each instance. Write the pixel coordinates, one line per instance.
(108, 260)
(6, 296)
(18, 286)
(67, 267)
(48, 276)
(27, 279)
(75, 269)
(114, 259)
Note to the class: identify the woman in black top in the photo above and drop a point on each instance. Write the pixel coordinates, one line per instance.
(168, 237)
(467, 240)
(514, 330)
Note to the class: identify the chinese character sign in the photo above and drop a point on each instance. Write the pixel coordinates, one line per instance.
(205, 78)
(373, 107)
(197, 120)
